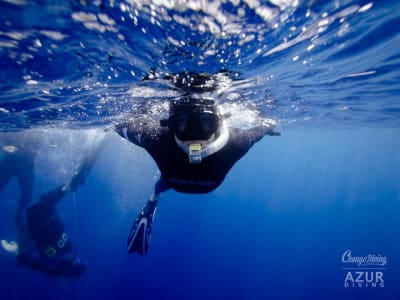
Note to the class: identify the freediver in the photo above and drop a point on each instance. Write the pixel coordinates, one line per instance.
(45, 246)
(194, 149)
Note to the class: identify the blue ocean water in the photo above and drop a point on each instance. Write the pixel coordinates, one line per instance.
(280, 224)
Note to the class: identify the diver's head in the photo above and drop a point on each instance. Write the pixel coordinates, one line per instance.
(193, 82)
(192, 119)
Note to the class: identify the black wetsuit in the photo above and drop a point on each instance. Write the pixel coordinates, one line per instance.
(45, 226)
(173, 162)
(53, 253)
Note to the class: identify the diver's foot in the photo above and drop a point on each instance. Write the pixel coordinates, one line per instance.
(139, 237)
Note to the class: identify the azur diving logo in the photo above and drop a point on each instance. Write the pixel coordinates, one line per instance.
(364, 271)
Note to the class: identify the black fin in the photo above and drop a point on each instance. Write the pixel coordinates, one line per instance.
(140, 234)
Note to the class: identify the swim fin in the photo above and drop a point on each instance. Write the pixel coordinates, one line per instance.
(11, 246)
(139, 237)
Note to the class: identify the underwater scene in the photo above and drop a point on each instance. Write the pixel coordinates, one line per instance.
(199, 149)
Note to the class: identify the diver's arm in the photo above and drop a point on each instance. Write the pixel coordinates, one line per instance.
(257, 133)
(127, 129)
(139, 131)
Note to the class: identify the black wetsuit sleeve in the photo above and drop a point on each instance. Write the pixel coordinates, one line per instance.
(141, 132)
(253, 135)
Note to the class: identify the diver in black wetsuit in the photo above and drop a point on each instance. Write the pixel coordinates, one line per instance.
(50, 251)
(53, 253)
(194, 150)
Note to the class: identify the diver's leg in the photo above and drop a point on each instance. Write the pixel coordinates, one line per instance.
(139, 236)
(87, 164)
(9, 168)
(160, 187)
(5, 178)
(24, 241)
(25, 178)
(5, 172)
(52, 197)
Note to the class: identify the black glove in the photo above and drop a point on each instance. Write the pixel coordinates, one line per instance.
(273, 133)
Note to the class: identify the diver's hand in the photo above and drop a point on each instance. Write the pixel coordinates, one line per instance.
(270, 124)
(274, 133)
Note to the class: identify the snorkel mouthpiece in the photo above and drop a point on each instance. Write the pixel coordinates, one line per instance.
(195, 153)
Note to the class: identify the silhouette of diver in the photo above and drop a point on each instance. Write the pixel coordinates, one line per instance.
(46, 247)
